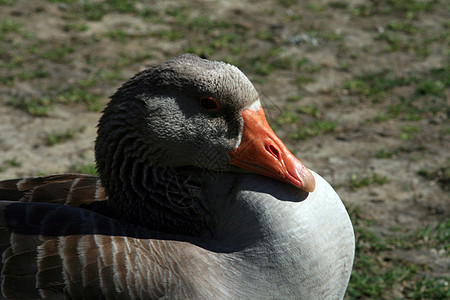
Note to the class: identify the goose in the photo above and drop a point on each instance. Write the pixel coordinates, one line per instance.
(196, 198)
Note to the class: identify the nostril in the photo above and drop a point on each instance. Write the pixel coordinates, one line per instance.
(274, 151)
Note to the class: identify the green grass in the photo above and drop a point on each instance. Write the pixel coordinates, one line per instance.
(312, 129)
(408, 9)
(264, 34)
(428, 87)
(402, 26)
(309, 109)
(179, 13)
(206, 23)
(79, 95)
(445, 129)
(59, 137)
(429, 288)
(325, 36)
(410, 109)
(431, 87)
(374, 276)
(23, 74)
(76, 27)
(315, 8)
(288, 3)
(267, 63)
(291, 113)
(37, 107)
(9, 163)
(338, 4)
(32, 59)
(371, 277)
(294, 98)
(429, 237)
(384, 153)
(94, 11)
(302, 79)
(374, 86)
(393, 42)
(62, 1)
(400, 33)
(223, 36)
(169, 34)
(8, 26)
(356, 181)
(437, 237)
(117, 34)
(407, 132)
(287, 117)
(84, 169)
(301, 62)
(83, 90)
(126, 59)
(57, 53)
(440, 175)
(406, 109)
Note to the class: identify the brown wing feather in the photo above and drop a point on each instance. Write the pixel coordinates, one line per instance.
(33, 261)
(52, 250)
(19, 267)
(69, 189)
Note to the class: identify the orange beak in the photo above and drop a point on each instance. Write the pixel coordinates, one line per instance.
(262, 152)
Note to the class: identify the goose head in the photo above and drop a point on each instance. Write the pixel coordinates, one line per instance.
(184, 115)
(194, 112)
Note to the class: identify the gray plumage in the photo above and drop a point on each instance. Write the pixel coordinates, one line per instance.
(169, 217)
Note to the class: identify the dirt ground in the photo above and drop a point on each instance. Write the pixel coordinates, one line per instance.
(358, 90)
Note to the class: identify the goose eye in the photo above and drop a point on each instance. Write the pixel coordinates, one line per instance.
(209, 103)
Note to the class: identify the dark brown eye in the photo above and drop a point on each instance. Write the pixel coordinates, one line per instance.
(209, 103)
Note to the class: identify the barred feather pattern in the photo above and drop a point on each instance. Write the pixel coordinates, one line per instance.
(87, 267)
(89, 255)
(68, 189)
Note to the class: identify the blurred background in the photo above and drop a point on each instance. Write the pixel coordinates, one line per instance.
(358, 90)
